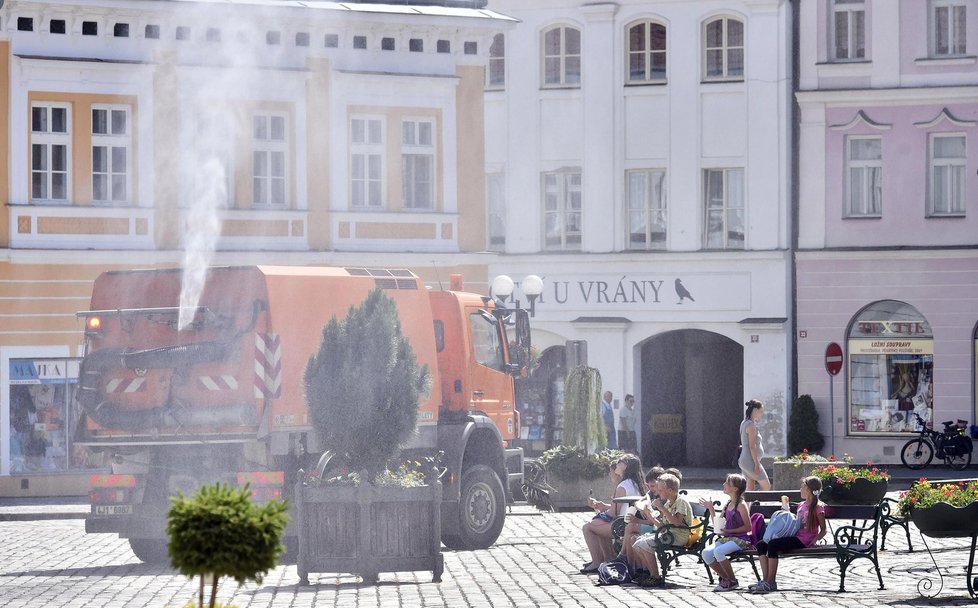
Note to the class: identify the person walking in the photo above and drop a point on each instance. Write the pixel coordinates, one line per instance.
(608, 414)
(752, 449)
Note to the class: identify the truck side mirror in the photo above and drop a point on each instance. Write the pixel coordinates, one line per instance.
(519, 351)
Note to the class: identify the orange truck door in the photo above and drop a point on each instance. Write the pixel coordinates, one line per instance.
(490, 386)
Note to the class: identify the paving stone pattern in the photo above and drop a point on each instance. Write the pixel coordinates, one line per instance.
(535, 562)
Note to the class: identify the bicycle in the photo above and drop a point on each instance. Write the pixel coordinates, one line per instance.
(953, 445)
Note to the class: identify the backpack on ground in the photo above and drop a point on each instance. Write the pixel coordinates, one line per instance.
(757, 526)
(781, 525)
(614, 572)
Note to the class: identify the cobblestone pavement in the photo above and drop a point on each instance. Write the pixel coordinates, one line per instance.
(534, 563)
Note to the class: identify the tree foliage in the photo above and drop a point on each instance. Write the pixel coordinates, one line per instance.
(219, 531)
(583, 425)
(364, 385)
(803, 433)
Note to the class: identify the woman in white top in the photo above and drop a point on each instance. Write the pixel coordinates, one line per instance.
(752, 449)
(597, 532)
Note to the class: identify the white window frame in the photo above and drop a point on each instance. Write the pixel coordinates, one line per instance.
(957, 28)
(110, 142)
(266, 145)
(49, 139)
(731, 204)
(415, 148)
(864, 166)
(852, 11)
(726, 49)
(651, 208)
(646, 53)
(562, 57)
(368, 150)
(955, 172)
(496, 210)
(563, 191)
(496, 67)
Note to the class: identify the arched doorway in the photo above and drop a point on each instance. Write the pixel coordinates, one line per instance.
(692, 387)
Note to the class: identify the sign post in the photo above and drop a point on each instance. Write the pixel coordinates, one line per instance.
(833, 365)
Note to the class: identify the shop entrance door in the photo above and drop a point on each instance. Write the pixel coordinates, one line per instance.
(692, 399)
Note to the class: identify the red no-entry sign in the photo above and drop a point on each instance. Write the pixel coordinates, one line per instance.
(833, 358)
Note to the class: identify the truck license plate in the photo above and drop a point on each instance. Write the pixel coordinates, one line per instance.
(112, 509)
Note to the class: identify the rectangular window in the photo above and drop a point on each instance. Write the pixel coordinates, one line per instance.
(562, 209)
(496, 72)
(111, 143)
(418, 164)
(949, 27)
(724, 190)
(864, 177)
(367, 162)
(947, 171)
(646, 209)
(849, 29)
(269, 166)
(496, 195)
(50, 149)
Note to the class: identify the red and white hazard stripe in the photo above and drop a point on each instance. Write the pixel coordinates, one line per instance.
(224, 382)
(268, 366)
(125, 385)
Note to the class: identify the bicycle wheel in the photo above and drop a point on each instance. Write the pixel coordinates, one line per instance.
(917, 454)
(958, 463)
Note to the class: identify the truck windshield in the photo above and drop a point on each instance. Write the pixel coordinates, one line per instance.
(486, 345)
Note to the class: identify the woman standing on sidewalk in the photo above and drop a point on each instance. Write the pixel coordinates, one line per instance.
(752, 449)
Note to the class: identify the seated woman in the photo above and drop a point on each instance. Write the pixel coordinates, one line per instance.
(640, 524)
(597, 533)
(673, 509)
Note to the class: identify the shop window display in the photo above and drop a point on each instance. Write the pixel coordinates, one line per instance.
(42, 420)
(891, 369)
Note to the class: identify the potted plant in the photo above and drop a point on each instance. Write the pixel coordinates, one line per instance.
(363, 388)
(220, 532)
(803, 433)
(583, 425)
(942, 510)
(789, 471)
(846, 485)
(574, 475)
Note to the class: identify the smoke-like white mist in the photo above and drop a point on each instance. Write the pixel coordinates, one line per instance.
(202, 229)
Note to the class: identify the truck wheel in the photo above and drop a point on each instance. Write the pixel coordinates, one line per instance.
(150, 550)
(482, 508)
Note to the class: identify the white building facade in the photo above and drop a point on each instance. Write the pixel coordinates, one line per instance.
(638, 159)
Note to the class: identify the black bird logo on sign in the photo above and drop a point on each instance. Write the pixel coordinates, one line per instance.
(682, 292)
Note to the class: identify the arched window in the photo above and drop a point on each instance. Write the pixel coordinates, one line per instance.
(562, 57)
(646, 53)
(723, 49)
(891, 369)
(496, 72)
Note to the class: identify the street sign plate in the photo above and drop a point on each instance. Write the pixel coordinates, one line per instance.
(833, 358)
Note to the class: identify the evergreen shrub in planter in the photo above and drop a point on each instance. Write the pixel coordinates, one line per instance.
(574, 475)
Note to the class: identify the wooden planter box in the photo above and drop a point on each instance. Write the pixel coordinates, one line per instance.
(369, 529)
(787, 476)
(572, 495)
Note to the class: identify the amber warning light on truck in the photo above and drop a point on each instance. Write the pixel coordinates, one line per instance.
(93, 325)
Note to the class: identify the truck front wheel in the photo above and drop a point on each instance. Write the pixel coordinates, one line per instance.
(482, 509)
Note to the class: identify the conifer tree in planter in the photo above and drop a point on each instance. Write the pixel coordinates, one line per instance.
(583, 425)
(803, 433)
(363, 388)
(220, 532)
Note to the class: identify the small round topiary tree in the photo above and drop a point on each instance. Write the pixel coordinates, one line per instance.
(364, 385)
(220, 532)
(583, 425)
(803, 433)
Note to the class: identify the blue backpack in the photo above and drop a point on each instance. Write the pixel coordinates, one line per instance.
(614, 572)
(782, 525)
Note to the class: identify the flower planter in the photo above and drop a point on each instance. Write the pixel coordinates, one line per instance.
(572, 495)
(788, 475)
(368, 529)
(946, 521)
(861, 491)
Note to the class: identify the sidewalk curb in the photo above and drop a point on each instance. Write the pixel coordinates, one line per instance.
(33, 516)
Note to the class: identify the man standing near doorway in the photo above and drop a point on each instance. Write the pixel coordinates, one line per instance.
(608, 414)
(626, 425)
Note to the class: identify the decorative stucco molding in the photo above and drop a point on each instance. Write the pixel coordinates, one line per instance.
(945, 114)
(860, 116)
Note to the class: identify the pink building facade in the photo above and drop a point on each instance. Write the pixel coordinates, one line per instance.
(887, 220)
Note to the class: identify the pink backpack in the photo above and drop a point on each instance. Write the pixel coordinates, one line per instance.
(757, 527)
